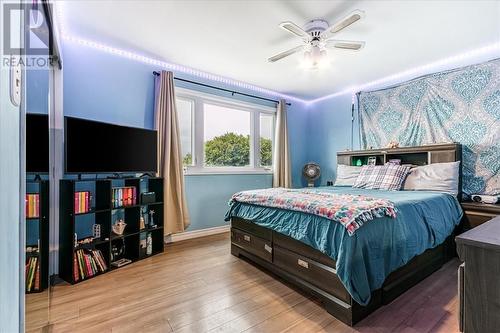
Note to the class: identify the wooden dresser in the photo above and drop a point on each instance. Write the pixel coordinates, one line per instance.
(476, 213)
(479, 278)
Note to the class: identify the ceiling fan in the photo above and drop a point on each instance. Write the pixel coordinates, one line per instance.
(317, 37)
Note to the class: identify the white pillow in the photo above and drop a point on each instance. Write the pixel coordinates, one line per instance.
(347, 175)
(440, 177)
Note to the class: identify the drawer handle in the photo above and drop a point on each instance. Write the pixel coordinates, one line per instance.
(303, 263)
(268, 248)
(246, 238)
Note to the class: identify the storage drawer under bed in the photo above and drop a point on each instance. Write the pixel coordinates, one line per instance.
(253, 244)
(252, 228)
(314, 272)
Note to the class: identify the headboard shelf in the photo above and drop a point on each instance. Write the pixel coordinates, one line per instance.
(415, 149)
(415, 158)
(418, 155)
(438, 153)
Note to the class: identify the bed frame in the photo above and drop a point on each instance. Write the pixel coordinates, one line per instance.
(314, 272)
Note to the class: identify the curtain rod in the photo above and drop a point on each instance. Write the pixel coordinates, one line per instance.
(223, 89)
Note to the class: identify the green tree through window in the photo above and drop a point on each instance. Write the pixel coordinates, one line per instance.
(187, 160)
(232, 149)
(266, 152)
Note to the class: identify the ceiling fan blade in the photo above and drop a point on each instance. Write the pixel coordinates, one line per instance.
(294, 29)
(343, 23)
(286, 53)
(351, 45)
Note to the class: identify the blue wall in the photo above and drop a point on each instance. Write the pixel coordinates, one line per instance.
(37, 91)
(329, 131)
(108, 88)
(207, 195)
(105, 87)
(10, 248)
(11, 306)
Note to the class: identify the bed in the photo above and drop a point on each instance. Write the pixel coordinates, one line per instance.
(354, 275)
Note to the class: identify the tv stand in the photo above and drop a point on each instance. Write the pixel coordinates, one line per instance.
(147, 174)
(116, 175)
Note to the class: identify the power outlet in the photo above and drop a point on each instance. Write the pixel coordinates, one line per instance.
(15, 84)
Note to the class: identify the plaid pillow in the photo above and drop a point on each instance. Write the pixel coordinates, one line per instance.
(382, 177)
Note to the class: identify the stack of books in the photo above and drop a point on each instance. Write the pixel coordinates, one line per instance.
(32, 274)
(87, 263)
(32, 205)
(123, 196)
(82, 202)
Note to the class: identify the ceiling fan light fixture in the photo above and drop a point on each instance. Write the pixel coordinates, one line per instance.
(323, 61)
(307, 60)
(317, 37)
(315, 58)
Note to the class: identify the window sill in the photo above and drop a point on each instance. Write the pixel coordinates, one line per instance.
(206, 172)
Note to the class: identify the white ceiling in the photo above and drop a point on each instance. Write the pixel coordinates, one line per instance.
(235, 38)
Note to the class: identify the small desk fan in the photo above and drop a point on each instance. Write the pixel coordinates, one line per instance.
(311, 172)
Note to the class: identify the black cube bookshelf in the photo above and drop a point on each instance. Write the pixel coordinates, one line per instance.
(37, 236)
(104, 209)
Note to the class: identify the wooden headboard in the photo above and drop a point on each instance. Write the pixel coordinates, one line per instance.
(421, 155)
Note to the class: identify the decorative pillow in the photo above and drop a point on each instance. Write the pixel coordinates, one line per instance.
(346, 175)
(440, 177)
(382, 177)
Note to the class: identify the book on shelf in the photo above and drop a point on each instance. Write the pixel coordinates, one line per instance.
(76, 276)
(82, 202)
(32, 274)
(32, 205)
(123, 196)
(37, 276)
(87, 263)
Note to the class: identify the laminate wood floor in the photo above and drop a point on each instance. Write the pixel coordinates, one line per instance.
(198, 286)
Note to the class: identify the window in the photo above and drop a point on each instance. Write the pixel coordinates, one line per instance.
(266, 139)
(226, 136)
(185, 108)
(220, 135)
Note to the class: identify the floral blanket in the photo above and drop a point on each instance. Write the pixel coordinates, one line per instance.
(349, 210)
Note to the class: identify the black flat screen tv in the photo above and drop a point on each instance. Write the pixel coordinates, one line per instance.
(96, 147)
(37, 143)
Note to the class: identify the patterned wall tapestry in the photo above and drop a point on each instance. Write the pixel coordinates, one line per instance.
(461, 105)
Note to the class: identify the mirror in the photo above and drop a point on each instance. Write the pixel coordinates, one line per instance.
(36, 99)
(37, 220)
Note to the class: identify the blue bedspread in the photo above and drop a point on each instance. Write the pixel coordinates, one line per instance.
(424, 220)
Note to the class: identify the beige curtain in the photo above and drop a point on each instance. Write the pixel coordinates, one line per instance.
(176, 217)
(281, 158)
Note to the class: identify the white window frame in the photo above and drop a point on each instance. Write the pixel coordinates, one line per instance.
(197, 132)
(192, 102)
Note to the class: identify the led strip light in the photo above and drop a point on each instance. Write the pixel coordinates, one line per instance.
(414, 72)
(395, 78)
(163, 64)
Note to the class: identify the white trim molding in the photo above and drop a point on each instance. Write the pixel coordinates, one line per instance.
(196, 234)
